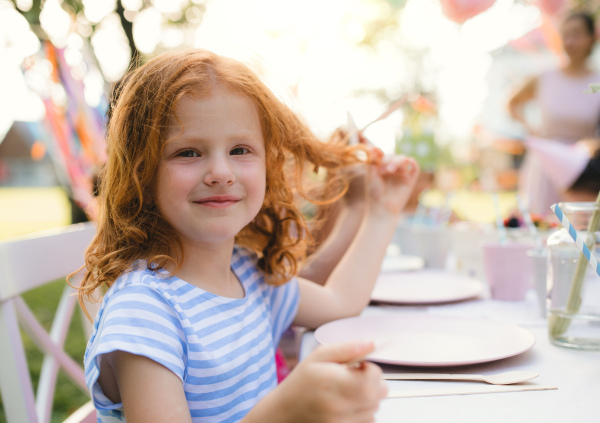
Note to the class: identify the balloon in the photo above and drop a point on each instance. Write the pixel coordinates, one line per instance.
(461, 10)
(551, 7)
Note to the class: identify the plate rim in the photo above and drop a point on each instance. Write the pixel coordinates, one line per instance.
(408, 269)
(480, 288)
(411, 363)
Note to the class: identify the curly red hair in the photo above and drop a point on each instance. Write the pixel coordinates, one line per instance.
(130, 226)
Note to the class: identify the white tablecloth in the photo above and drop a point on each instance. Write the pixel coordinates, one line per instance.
(575, 373)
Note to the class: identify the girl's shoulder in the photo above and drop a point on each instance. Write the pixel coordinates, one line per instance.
(142, 285)
(140, 276)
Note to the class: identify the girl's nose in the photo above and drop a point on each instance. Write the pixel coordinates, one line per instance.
(219, 172)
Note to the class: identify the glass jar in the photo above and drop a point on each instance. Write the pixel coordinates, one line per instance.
(573, 286)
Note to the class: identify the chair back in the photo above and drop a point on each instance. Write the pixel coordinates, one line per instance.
(27, 263)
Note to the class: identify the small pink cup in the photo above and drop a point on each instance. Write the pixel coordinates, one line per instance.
(508, 270)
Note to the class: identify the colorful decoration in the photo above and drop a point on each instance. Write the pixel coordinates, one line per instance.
(461, 10)
(72, 132)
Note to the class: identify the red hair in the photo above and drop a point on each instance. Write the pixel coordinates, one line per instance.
(130, 226)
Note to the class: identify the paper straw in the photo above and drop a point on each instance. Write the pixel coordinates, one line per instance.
(392, 107)
(530, 225)
(352, 130)
(589, 255)
(499, 221)
(446, 210)
(558, 325)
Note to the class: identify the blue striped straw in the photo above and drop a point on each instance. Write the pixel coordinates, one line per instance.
(591, 258)
(530, 225)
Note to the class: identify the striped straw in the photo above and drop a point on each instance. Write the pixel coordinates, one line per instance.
(530, 225)
(591, 258)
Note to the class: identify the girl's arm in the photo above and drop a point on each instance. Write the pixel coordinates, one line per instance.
(150, 392)
(348, 287)
(323, 389)
(345, 217)
(319, 389)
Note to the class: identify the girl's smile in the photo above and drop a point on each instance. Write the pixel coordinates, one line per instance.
(218, 201)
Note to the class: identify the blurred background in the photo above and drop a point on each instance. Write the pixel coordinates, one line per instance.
(446, 66)
(443, 70)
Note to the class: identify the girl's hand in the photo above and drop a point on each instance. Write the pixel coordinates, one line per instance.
(391, 181)
(324, 389)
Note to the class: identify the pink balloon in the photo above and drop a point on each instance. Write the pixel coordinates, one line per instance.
(551, 7)
(461, 10)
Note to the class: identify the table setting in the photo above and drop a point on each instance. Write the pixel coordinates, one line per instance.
(445, 337)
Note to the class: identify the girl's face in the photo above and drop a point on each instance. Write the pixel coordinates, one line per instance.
(212, 177)
(577, 40)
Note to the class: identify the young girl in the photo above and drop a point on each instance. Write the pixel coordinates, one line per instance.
(199, 241)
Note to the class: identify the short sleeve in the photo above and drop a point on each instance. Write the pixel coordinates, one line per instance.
(139, 320)
(284, 306)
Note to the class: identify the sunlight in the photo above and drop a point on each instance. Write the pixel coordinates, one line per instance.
(111, 48)
(96, 10)
(55, 22)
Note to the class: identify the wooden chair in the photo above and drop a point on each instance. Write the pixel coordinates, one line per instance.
(27, 263)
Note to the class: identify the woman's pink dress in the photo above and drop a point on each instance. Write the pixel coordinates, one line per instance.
(568, 114)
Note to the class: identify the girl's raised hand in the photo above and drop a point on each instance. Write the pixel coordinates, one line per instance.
(322, 388)
(391, 181)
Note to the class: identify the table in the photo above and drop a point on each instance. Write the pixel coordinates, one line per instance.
(575, 373)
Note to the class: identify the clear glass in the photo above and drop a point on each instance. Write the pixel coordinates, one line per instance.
(574, 291)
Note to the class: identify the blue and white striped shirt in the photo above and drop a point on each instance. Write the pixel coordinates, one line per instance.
(222, 349)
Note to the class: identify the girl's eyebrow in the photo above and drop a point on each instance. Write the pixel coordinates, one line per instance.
(241, 136)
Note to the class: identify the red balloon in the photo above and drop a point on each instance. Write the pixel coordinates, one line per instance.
(461, 10)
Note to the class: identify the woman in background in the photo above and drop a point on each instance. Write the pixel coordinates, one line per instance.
(568, 113)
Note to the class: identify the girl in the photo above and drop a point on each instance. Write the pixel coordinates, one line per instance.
(199, 241)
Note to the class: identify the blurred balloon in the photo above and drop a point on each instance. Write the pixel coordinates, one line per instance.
(551, 7)
(461, 10)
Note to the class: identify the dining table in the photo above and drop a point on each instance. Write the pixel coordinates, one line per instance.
(575, 374)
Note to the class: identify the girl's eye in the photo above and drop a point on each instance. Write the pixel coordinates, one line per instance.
(188, 153)
(239, 151)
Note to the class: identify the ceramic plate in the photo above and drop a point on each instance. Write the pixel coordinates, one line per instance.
(424, 287)
(411, 339)
(402, 263)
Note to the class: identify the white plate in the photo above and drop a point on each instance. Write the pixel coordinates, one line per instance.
(402, 263)
(425, 287)
(412, 339)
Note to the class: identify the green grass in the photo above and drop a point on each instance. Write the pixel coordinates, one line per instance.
(68, 397)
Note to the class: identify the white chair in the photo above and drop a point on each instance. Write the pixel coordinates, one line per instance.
(27, 263)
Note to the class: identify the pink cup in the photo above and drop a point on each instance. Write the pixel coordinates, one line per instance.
(508, 270)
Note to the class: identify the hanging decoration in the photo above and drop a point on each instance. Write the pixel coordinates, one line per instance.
(72, 132)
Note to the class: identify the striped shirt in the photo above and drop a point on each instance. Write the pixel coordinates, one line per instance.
(222, 349)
